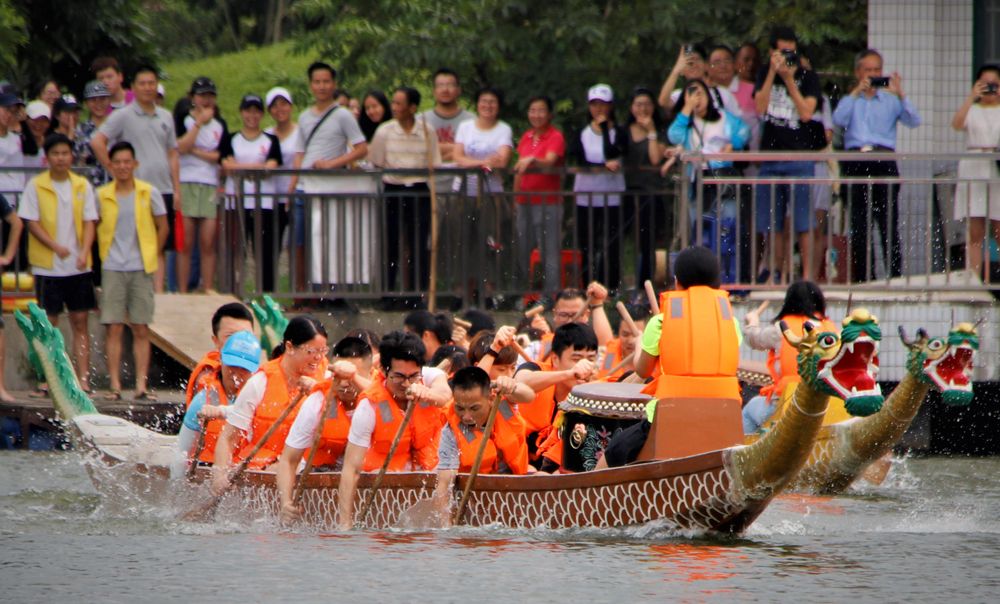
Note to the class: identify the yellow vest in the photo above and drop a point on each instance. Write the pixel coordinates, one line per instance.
(48, 203)
(144, 223)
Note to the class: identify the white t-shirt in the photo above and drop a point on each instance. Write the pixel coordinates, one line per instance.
(303, 430)
(480, 144)
(241, 413)
(363, 420)
(600, 182)
(279, 184)
(195, 169)
(65, 228)
(12, 155)
(256, 151)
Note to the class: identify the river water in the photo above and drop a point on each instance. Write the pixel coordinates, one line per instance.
(931, 532)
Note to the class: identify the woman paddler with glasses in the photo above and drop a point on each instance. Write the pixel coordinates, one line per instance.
(295, 366)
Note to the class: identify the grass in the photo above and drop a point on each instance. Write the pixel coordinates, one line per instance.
(254, 70)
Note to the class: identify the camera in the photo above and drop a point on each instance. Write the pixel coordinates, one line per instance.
(992, 88)
(693, 89)
(689, 49)
(879, 82)
(791, 57)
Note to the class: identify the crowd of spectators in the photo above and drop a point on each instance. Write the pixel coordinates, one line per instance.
(713, 100)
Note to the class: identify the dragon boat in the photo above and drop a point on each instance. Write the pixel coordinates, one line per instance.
(855, 435)
(705, 485)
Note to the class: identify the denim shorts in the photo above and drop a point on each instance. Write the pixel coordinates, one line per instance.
(802, 215)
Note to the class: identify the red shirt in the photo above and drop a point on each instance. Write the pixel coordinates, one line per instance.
(530, 145)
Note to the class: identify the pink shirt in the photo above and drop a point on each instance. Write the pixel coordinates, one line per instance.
(550, 141)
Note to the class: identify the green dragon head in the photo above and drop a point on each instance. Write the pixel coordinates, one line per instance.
(46, 343)
(845, 364)
(945, 363)
(272, 322)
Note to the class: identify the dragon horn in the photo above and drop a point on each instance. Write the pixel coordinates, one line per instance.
(921, 335)
(786, 331)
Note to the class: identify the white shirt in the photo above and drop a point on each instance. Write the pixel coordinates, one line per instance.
(65, 228)
(279, 184)
(480, 144)
(256, 151)
(195, 169)
(363, 420)
(241, 412)
(11, 155)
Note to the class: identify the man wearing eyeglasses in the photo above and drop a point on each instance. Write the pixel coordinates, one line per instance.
(575, 306)
(378, 416)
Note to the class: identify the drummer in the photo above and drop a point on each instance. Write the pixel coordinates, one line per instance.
(697, 270)
(506, 451)
(348, 377)
(299, 364)
(574, 351)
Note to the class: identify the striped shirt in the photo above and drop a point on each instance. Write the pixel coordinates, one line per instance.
(392, 147)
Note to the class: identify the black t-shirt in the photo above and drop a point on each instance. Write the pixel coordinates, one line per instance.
(783, 131)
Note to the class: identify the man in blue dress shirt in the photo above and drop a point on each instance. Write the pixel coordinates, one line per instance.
(869, 116)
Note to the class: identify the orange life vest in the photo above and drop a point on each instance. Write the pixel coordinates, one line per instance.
(508, 437)
(537, 415)
(788, 372)
(699, 346)
(418, 443)
(272, 404)
(336, 427)
(206, 370)
(550, 443)
(215, 394)
(546, 347)
(612, 357)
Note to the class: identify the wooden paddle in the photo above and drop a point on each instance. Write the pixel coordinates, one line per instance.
(654, 304)
(360, 518)
(534, 311)
(627, 317)
(201, 435)
(524, 355)
(210, 505)
(461, 323)
(317, 435)
(487, 432)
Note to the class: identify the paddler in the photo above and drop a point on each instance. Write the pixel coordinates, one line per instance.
(506, 451)
(574, 306)
(695, 336)
(804, 301)
(299, 364)
(495, 354)
(574, 351)
(379, 414)
(623, 346)
(240, 358)
(227, 320)
(349, 376)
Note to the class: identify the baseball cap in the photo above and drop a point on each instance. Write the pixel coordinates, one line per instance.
(66, 102)
(95, 90)
(241, 350)
(38, 109)
(278, 93)
(251, 100)
(600, 92)
(203, 85)
(10, 99)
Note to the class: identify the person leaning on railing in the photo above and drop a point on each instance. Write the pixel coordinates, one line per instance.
(645, 148)
(869, 116)
(979, 118)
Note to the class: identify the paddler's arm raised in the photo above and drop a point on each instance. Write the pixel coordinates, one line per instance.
(597, 295)
(538, 380)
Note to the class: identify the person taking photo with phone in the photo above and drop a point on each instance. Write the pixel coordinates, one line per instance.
(869, 116)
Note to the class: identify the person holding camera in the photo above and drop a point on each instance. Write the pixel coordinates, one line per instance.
(869, 116)
(786, 94)
(979, 118)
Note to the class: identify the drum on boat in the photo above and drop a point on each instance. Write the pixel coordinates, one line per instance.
(592, 415)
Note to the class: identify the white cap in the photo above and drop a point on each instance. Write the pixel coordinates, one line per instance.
(277, 93)
(161, 91)
(37, 109)
(600, 92)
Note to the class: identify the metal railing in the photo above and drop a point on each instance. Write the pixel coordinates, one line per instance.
(349, 235)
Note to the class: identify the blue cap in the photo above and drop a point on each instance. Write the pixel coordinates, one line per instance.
(241, 350)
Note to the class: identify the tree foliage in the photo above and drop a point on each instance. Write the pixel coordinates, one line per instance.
(558, 48)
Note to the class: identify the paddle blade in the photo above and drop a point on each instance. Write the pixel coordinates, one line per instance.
(422, 515)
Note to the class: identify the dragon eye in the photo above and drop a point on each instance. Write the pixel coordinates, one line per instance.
(935, 344)
(828, 341)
